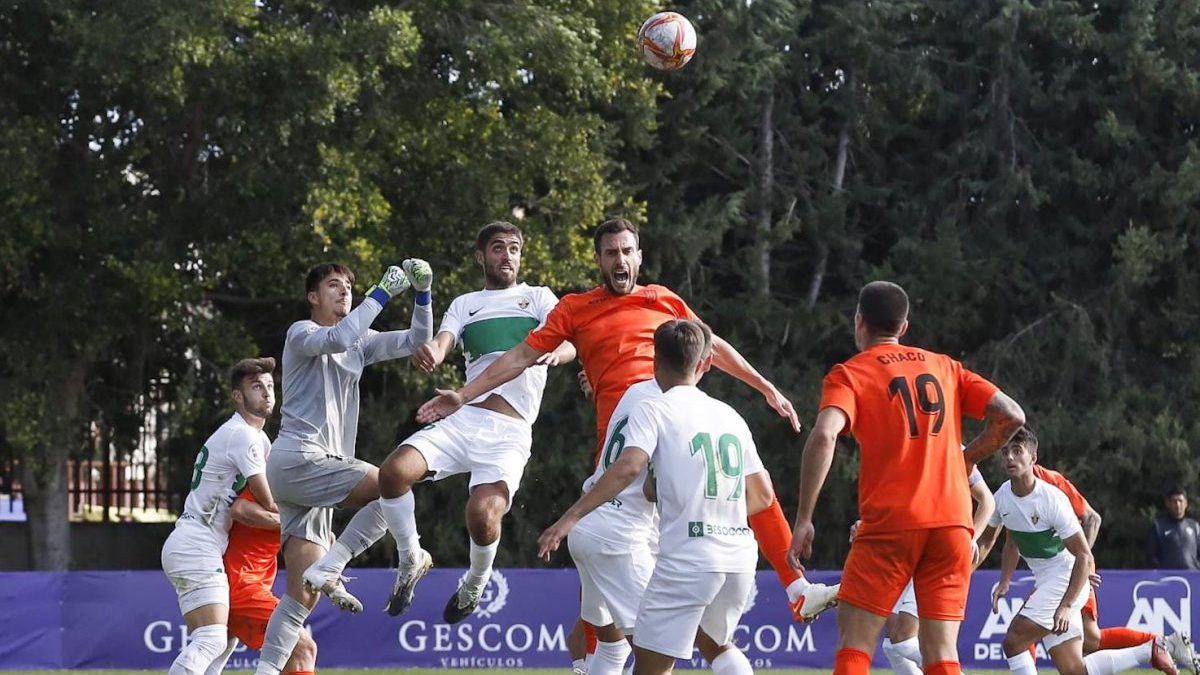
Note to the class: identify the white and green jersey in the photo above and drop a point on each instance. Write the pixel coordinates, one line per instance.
(1039, 522)
(628, 517)
(488, 323)
(700, 452)
(235, 452)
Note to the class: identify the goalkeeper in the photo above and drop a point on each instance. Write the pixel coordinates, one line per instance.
(312, 468)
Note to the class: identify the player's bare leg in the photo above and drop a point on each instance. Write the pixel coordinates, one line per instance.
(858, 633)
(365, 528)
(304, 656)
(646, 662)
(287, 621)
(724, 659)
(900, 643)
(939, 643)
(399, 472)
(208, 639)
(485, 509)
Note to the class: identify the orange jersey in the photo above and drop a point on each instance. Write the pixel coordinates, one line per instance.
(614, 336)
(1078, 504)
(905, 407)
(250, 558)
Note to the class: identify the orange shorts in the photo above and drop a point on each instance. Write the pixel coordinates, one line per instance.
(249, 611)
(1089, 608)
(937, 560)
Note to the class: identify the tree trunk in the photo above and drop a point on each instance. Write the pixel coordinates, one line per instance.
(44, 480)
(839, 177)
(766, 186)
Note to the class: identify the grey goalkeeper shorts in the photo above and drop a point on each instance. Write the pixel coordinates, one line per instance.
(307, 484)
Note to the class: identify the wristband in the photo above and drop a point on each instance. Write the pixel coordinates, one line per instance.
(423, 297)
(379, 295)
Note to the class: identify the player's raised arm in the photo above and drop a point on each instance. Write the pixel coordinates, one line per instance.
(399, 343)
(336, 335)
(620, 475)
(504, 369)
(1002, 417)
(814, 467)
(728, 359)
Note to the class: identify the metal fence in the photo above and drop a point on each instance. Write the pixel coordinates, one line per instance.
(132, 489)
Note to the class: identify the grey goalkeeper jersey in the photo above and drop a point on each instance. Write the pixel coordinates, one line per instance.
(321, 369)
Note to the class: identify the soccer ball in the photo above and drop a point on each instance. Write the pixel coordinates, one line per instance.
(667, 41)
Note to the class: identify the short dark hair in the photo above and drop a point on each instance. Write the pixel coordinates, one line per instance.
(883, 307)
(1175, 490)
(492, 229)
(680, 344)
(318, 273)
(250, 368)
(613, 226)
(1025, 438)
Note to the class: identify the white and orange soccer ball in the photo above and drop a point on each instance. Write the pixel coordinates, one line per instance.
(667, 40)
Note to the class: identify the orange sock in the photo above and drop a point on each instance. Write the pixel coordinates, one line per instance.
(851, 662)
(1033, 651)
(589, 632)
(304, 672)
(943, 668)
(1120, 638)
(774, 539)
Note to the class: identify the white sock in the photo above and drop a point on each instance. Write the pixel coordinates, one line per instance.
(1108, 661)
(400, 514)
(579, 665)
(901, 664)
(910, 649)
(283, 632)
(796, 589)
(206, 644)
(218, 665)
(481, 563)
(335, 559)
(610, 657)
(1022, 664)
(732, 662)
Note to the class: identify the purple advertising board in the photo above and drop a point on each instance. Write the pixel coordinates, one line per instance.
(131, 620)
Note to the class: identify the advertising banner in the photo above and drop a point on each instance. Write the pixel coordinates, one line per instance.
(131, 620)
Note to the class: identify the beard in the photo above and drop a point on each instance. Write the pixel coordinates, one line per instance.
(494, 277)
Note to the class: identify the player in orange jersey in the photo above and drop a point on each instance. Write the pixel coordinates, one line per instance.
(1178, 645)
(251, 562)
(612, 327)
(904, 407)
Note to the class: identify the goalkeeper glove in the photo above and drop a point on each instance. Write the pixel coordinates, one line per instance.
(394, 282)
(421, 275)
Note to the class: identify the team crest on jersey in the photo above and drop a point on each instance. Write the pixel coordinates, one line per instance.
(523, 303)
(494, 596)
(1034, 518)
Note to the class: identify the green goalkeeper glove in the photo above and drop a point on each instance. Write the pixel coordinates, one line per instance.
(394, 282)
(421, 275)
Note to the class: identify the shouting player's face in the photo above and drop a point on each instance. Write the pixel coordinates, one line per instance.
(619, 260)
(256, 396)
(1018, 460)
(332, 297)
(501, 261)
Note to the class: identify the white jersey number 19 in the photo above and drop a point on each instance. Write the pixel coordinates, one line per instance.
(727, 459)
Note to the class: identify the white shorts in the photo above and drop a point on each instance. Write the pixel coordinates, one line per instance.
(198, 576)
(677, 603)
(612, 578)
(1040, 606)
(491, 446)
(907, 603)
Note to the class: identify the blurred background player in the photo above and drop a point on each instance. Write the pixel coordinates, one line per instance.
(612, 326)
(312, 467)
(901, 645)
(706, 464)
(1174, 537)
(1051, 541)
(232, 459)
(904, 407)
(1178, 644)
(489, 438)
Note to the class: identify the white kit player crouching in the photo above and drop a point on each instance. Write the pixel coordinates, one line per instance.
(705, 462)
(231, 460)
(1051, 541)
